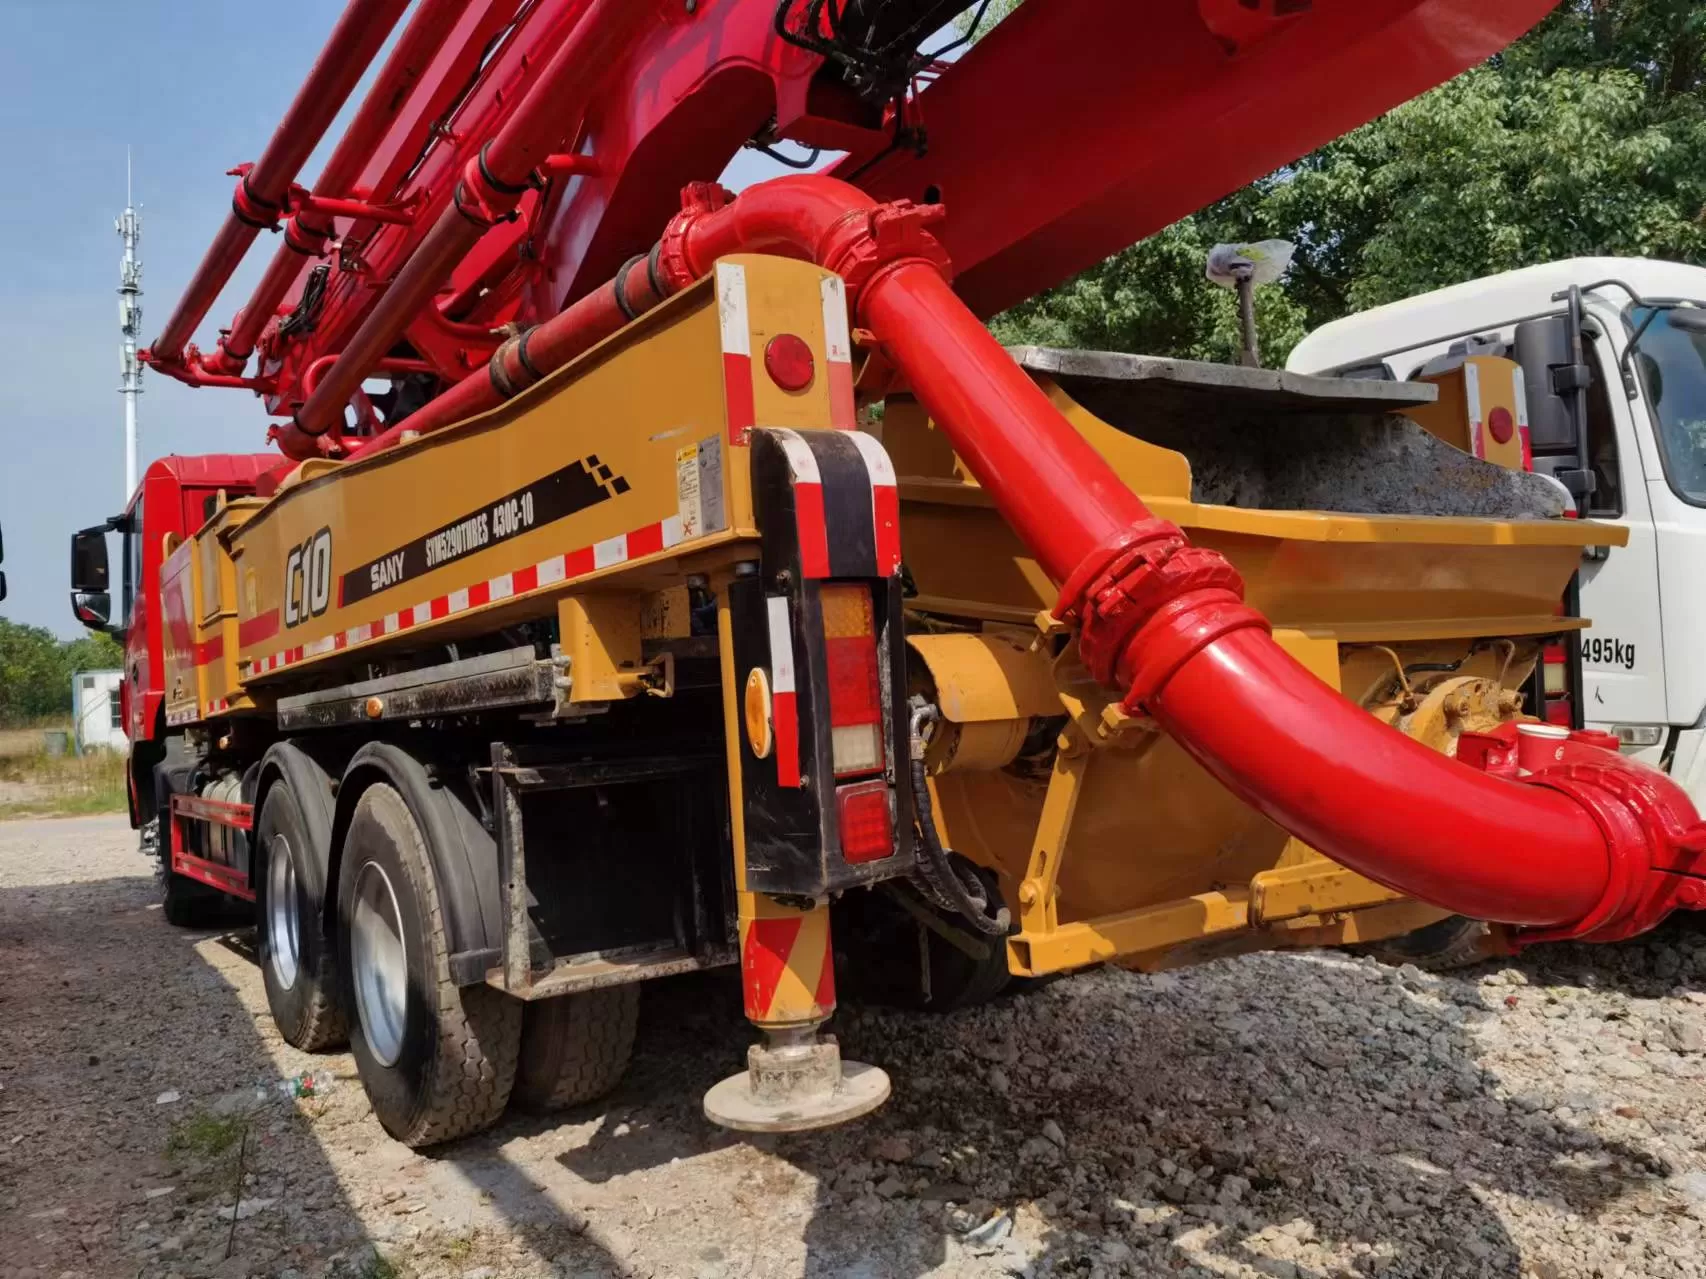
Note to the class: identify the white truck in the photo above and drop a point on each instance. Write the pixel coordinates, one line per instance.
(1612, 354)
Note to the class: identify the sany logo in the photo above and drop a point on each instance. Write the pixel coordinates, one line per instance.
(308, 579)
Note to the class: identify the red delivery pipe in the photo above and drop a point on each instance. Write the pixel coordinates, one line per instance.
(1581, 852)
(352, 46)
(526, 358)
(1301, 755)
(305, 233)
(1583, 849)
(492, 186)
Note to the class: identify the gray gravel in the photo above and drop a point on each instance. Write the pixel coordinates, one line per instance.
(1270, 1116)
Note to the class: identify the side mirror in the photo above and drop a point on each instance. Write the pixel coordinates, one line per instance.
(89, 560)
(1551, 378)
(93, 609)
(2, 586)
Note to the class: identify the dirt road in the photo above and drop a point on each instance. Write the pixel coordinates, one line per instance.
(1299, 1116)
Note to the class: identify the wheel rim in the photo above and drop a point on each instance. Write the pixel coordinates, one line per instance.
(380, 968)
(284, 938)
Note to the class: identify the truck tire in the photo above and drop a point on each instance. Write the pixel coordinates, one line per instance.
(893, 960)
(1440, 947)
(183, 901)
(575, 1048)
(959, 981)
(186, 903)
(296, 957)
(437, 1061)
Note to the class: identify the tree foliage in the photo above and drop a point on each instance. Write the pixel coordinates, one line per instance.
(36, 669)
(1586, 137)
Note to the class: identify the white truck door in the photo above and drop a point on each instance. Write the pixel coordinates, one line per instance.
(1623, 656)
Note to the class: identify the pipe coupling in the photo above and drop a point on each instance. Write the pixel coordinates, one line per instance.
(1148, 602)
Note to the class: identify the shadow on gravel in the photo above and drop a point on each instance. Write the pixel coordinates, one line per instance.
(1274, 1116)
(1651, 967)
(130, 1071)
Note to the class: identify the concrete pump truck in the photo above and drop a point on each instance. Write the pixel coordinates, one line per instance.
(577, 633)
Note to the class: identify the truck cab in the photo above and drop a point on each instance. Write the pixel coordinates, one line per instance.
(1612, 353)
(173, 500)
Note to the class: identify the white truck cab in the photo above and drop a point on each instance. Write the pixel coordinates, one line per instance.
(1630, 445)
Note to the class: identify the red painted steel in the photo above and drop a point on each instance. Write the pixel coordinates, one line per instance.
(307, 229)
(1229, 91)
(226, 879)
(1054, 149)
(353, 44)
(1051, 154)
(490, 190)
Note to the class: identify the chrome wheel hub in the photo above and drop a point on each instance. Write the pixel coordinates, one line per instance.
(284, 938)
(381, 969)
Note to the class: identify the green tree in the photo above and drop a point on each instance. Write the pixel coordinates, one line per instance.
(1154, 298)
(36, 669)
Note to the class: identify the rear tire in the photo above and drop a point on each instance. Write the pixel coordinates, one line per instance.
(575, 1048)
(296, 956)
(895, 960)
(1440, 947)
(437, 1061)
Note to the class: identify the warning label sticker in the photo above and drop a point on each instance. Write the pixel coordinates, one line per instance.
(699, 487)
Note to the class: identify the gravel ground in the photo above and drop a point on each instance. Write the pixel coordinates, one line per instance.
(1267, 1117)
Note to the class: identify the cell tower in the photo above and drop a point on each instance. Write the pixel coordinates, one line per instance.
(129, 227)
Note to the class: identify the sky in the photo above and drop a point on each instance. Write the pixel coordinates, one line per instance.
(193, 87)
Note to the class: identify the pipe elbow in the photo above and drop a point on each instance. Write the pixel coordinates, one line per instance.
(810, 216)
(300, 445)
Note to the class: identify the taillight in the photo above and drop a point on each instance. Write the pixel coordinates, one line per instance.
(867, 830)
(855, 682)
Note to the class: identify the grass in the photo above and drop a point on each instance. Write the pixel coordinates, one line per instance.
(62, 785)
(204, 1135)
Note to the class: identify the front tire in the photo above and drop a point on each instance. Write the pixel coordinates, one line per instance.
(437, 1061)
(296, 957)
(185, 902)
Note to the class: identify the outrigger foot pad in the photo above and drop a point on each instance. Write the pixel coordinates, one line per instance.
(795, 1083)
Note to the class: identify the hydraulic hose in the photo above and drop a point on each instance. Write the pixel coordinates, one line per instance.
(945, 885)
(1594, 847)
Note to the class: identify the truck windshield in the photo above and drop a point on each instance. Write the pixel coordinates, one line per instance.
(1672, 362)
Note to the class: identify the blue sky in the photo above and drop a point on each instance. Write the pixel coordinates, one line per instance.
(194, 86)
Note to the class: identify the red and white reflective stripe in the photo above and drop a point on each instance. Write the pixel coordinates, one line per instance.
(1520, 389)
(885, 501)
(523, 581)
(218, 706)
(735, 324)
(1472, 403)
(808, 503)
(838, 353)
(784, 709)
(188, 715)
